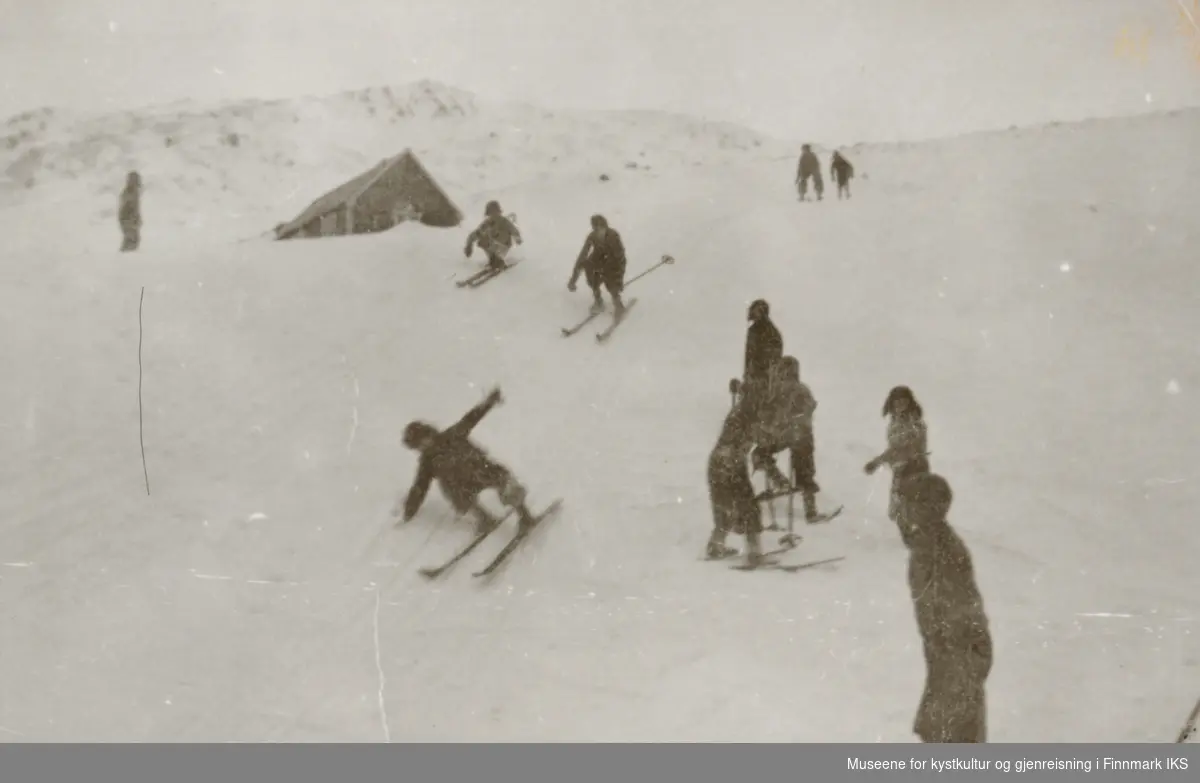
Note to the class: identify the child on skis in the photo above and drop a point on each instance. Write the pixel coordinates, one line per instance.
(729, 489)
(602, 263)
(787, 424)
(495, 236)
(462, 469)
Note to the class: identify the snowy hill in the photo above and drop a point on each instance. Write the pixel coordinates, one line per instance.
(1036, 289)
(245, 166)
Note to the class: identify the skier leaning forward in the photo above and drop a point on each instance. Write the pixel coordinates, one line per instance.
(786, 423)
(462, 469)
(729, 488)
(602, 262)
(495, 236)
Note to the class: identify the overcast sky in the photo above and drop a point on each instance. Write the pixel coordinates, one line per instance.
(826, 70)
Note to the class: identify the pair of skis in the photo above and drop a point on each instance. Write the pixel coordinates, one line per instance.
(518, 538)
(601, 337)
(484, 275)
(787, 542)
(783, 489)
(771, 564)
(770, 561)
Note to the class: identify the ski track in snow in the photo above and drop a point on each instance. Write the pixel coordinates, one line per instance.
(138, 619)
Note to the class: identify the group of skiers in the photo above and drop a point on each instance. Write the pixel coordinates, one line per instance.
(772, 412)
(840, 169)
(461, 468)
(601, 261)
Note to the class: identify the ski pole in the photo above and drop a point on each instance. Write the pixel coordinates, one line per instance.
(1189, 727)
(665, 260)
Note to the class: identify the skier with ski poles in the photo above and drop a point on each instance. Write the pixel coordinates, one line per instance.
(602, 263)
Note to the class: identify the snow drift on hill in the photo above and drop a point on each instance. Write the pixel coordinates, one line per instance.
(247, 165)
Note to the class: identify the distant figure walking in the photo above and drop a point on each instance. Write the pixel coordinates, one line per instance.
(842, 172)
(129, 213)
(951, 619)
(810, 168)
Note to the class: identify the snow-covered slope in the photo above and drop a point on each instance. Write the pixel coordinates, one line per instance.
(1037, 290)
(240, 168)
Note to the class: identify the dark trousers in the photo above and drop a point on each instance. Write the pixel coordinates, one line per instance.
(609, 276)
(818, 185)
(131, 237)
(732, 496)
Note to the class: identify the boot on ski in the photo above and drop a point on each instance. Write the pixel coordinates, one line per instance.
(754, 553)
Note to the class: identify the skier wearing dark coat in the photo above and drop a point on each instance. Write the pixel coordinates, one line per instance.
(950, 616)
(129, 213)
(788, 424)
(764, 347)
(462, 469)
(602, 262)
(842, 172)
(809, 168)
(495, 236)
(729, 489)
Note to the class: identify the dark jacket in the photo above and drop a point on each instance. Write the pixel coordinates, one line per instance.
(494, 230)
(764, 347)
(788, 414)
(129, 208)
(810, 166)
(730, 491)
(603, 260)
(840, 168)
(954, 630)
(462, 469)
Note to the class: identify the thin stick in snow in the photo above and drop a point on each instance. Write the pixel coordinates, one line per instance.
(141, 429)
(1189, 728)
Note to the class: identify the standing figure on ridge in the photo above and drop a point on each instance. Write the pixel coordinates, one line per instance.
(129, 213)
(809, 168)
(462, 469)
(602, 262)
(495, 236)
(842, 172)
